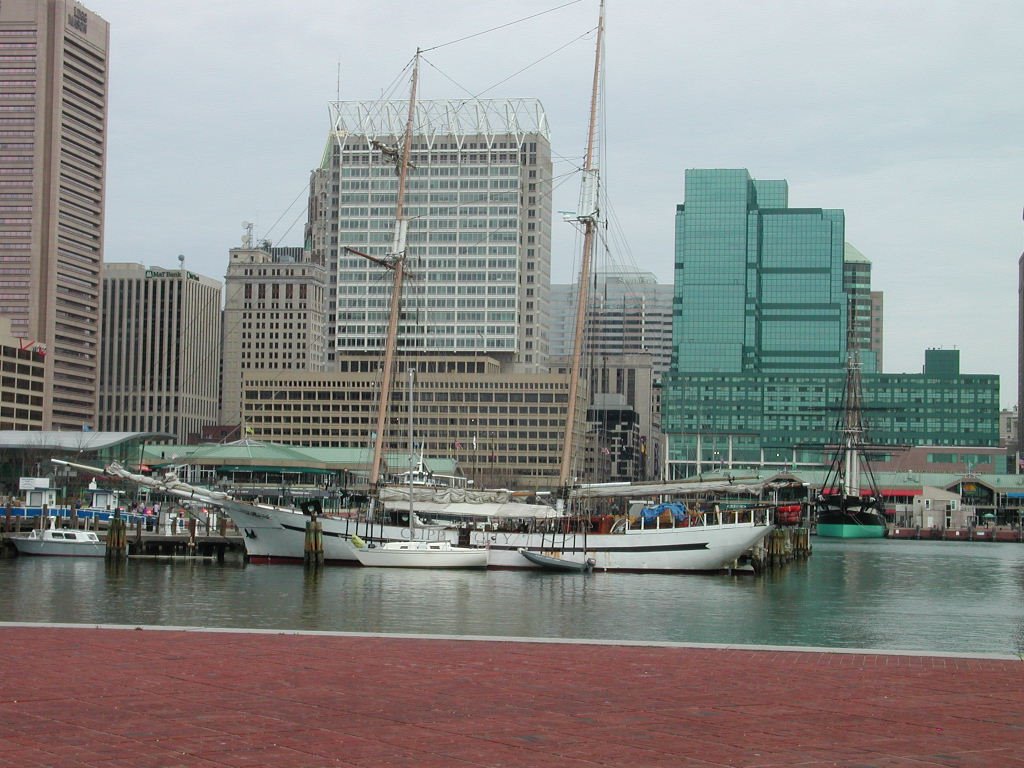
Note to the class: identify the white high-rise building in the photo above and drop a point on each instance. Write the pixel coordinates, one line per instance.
(479, 242)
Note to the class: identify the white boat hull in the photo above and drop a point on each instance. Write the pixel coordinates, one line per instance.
(421, 557)
(705, 548)
(47, 547)
(278, 535)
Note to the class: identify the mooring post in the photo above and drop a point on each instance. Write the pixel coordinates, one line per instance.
(313, 549)
(117, 539)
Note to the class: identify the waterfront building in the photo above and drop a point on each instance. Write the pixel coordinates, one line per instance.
(160, 350)
(53, 131)
(504, 429)
(479, 238)
(761, 314)
(273, 317)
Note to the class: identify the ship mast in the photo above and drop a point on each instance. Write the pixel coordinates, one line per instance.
(587, 216)
(397, 265)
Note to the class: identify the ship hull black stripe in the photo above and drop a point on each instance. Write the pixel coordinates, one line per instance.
(652, 548)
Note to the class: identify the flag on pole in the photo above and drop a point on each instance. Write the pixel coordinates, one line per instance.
(458, 446)
(474, 442)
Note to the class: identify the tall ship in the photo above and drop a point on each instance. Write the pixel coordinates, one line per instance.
(849, 505)
(509, 526)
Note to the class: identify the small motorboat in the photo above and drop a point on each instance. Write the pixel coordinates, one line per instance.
(557, 563)
(59, 542)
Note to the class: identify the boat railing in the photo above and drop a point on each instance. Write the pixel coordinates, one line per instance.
(758, 516)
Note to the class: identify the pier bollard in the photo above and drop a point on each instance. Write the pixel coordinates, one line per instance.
(117, 538)
(313, 553)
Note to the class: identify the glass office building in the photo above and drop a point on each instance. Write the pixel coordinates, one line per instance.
(761, 306)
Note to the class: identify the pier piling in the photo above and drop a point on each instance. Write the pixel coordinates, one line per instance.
(313, 553)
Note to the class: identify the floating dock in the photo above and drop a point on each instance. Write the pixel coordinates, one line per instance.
(176, 697)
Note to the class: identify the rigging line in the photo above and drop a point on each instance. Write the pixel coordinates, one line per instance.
(304, 190)
(502, 26)
(514, 74)
(294, 221)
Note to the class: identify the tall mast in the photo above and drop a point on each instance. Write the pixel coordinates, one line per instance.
(398, 265)
(587, 216)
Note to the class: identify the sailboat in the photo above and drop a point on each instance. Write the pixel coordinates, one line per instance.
(850, 504)
(416, 553)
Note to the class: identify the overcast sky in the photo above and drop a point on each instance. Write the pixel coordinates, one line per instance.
(907, 115)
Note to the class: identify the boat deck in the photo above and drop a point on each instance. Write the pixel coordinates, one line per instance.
(152, 697)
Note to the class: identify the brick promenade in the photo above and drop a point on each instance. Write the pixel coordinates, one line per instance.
(122, 697)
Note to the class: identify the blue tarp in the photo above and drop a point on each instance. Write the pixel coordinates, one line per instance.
(678, 511)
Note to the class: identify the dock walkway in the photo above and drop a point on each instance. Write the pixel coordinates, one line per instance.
(75, 696)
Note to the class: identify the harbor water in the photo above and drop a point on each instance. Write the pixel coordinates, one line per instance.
(950, 597)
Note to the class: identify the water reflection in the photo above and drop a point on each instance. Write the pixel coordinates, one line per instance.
(938, 596)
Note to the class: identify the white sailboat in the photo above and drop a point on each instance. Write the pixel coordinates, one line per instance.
(416, 553)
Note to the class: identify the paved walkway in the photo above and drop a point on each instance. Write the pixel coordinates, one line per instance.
(111, 697)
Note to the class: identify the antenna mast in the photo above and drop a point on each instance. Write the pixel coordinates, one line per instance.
(587, 215)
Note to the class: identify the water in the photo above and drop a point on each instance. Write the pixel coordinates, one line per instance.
(883, 595)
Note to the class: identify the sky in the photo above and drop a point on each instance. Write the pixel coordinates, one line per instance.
(907, 115)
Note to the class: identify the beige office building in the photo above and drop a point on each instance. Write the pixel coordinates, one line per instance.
(161, 351)
(273, 318)
(504, 429)
(53, 133)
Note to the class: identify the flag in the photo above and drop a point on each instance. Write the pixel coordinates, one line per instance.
(606, 452)
(248, 430)
(458, 446)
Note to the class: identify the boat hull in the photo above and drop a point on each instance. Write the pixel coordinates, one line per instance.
(850, 519)
(44, 548)
(277, 535)
(850, 531)
(666, 550)
(380, 557)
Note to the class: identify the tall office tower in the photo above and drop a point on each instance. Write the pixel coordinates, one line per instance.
(759, 286)
(857, 285)
(273, 318)
(479, 238)
(627, 348)
(762, 303)
(629, 313)
(53, 119)
(161, 350)
(877, 326)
